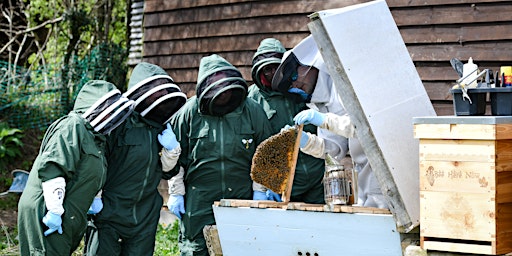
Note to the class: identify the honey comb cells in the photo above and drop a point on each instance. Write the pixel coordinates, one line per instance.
(272, 160)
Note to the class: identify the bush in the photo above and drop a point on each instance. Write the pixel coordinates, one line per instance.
(167, 240)
(10, 143)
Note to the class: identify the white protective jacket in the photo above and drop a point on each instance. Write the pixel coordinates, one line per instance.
(326, 100)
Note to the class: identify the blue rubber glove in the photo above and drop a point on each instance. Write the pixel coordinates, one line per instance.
(304, 139)
(53, 222)
(96, 206)
(300, 92)
(176, 205)
(168, 139)
(309, 116)
(271, 195)
(258, 195)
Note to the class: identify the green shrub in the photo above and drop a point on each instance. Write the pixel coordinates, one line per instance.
(167, 240)
(10, 142)
(10, 148)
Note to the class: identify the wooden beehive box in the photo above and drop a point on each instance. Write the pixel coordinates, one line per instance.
(465, 183)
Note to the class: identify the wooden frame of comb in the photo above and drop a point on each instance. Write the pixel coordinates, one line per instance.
(288, 190)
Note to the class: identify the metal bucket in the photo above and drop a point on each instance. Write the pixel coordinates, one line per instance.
(338, 185)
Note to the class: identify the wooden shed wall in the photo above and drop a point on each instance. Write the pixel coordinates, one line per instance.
(178, 33)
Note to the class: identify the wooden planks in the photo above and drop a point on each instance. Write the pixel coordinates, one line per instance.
(238, 27)
(299, 206)
(211, 235)
(258, 7)
(463, 131)
(462, 13)
(238, 43)
(491, 52)
(466, 32)
(416, 3)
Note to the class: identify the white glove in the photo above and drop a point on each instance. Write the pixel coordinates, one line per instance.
(54, 191)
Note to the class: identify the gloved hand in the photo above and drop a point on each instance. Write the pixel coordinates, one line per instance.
(96, 206)
(176, 205)
(259, 195)
(53, 222)
(309, 116)
(271, 195)
(303, 139)
(300, 92)
(268, 195)
(168, 139)
(286, 127)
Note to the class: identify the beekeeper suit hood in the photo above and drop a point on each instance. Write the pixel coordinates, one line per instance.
(220, 87)
(156, 95)
(305, 53)
(270, 52)
(107, 112)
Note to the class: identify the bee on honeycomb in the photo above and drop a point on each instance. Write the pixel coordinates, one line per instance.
(272, 160)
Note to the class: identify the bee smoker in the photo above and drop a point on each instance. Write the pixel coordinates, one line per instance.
(337, 184)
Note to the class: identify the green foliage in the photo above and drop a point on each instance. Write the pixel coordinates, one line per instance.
(10, 149)
(10, 143)
(167, 240)
(85, 24)
(117, 34)
(30, 98)
(83, 40)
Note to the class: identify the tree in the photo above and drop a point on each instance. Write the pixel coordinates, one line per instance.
(71, 41)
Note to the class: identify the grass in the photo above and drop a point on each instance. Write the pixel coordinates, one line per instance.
(8, 240)
(166, 241)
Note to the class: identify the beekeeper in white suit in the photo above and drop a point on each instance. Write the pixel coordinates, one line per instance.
(303, 76)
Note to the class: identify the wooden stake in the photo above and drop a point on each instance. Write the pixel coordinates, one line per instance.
(288, 191)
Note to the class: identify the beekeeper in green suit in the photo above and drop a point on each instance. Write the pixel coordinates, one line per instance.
(68, 172)
(309, 172)
(219, 130)
(129, 219)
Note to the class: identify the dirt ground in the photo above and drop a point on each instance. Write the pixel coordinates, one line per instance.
(8, 218)
(31, 143)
